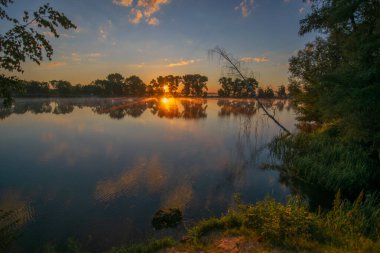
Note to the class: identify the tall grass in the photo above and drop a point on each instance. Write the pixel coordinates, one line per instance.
(348, 227)
(325, 161)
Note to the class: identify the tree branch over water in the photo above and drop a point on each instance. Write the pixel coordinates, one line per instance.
(235, 67)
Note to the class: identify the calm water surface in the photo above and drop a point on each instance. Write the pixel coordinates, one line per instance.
(98, 169)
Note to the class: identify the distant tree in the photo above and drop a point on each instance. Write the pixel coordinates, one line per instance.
(113, 85)
(260, 92)
(268, 92)
(237, 87)
(157, 86)
(135, 86)
(249, 90)
(171, 82)
(281, 92)
(194, 85)
(24, 41)
(226, 89)
(35, 88)
(63, 88)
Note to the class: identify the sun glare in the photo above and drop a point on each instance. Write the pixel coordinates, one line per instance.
(166, 88)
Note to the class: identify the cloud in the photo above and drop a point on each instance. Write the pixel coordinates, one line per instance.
(135, 16)
(104, 30)
(125, 3)
(152, 21)
(255, 59)
(138, 65)
(75, 57)
(55, 64)
(180, 63)
(246, 7)
(103, 33)
(151, 6)
(142, 10)
(94, 55)
(301, 10)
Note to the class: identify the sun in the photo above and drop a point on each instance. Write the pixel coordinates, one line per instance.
(166, 88)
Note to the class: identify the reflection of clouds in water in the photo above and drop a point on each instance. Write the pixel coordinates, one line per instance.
(56, 149)
(13, 201)
(145, 172)
(179, 196)
(48, 137)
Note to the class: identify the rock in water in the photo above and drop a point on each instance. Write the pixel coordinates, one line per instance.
(167, 218)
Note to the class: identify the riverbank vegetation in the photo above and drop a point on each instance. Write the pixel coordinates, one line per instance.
(335, 85)
(270, 226)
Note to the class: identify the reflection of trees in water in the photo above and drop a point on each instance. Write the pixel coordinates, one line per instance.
(165, 108)
(236, 107)
(63, 108)
(122, 108)
(35, 107)
(194, 108)
(115, 109)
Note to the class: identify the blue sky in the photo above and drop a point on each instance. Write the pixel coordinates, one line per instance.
(159, 37)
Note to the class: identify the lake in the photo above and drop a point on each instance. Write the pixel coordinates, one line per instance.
(98, 169)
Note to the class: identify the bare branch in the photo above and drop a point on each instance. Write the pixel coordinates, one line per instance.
(235, 66)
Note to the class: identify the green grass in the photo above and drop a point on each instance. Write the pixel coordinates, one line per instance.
(348, 227)
(325, 161)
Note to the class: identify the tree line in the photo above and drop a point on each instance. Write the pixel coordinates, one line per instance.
(116, 85)
(239, 89)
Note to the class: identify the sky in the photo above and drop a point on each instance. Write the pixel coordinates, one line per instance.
(149, 38)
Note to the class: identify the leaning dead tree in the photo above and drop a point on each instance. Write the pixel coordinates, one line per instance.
(235, 67)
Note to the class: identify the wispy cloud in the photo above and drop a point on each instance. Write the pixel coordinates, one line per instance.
(142, 10)
(55, 64)
(301, 10)
(75, 57)
(246, 7)
(138, 65)
(104, 30)
(181, 63)
(94, 55)
(125, 3)
(254, 59)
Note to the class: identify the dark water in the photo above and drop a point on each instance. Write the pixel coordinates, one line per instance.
(98, 169)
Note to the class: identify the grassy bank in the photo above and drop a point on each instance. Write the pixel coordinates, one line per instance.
(269, 226)
(291, 227)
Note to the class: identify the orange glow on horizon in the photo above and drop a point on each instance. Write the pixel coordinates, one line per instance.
(166, 88)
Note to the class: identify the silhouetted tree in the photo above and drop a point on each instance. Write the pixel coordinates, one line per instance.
(194, 85)
(24, 41)
(61, 87)
(281, 92)
(135, 86)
